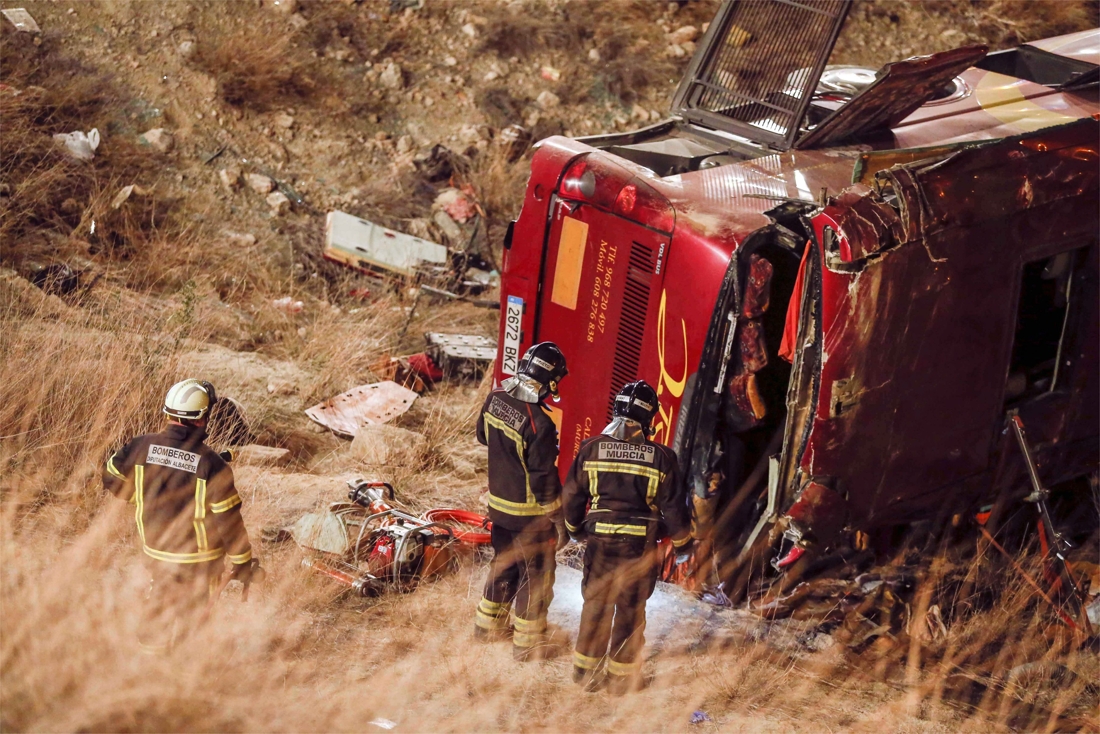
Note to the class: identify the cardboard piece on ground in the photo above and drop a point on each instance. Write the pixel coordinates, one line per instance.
(365, 245)
(366, 404)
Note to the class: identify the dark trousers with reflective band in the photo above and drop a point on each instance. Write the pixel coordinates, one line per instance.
(178, 595)
(521, 573)
(620, 573)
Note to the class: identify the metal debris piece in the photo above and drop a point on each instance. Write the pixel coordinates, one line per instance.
(461, 356)
(367, 246)
(21, 19)
(366, 404)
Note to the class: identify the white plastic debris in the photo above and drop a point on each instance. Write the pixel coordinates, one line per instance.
(288, 304)
(21, 19)
(373, 404)
(366, 245)
(80, 145)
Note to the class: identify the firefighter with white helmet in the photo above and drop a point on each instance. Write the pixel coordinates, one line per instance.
(187, 510)
(524, 502)
(622, 492)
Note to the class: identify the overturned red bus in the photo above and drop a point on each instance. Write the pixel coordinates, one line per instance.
(839, 280)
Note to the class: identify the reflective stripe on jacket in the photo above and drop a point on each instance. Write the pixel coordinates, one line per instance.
(617, 487)
(524, 485)
(186, 506)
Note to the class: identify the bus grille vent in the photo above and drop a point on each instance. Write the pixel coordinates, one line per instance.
(628, 348)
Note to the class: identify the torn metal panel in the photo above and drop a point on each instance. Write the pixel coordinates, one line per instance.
(363, 405)
(903, 87)
(870, 225)
(367, 246)
(461, 355)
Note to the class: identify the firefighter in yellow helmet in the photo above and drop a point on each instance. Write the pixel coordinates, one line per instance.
(188, 514)
(622, 492)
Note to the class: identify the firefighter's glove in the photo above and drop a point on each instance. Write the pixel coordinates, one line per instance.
(247, 573)
(558, 518)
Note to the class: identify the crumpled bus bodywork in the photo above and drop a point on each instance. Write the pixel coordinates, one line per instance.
(911, 276)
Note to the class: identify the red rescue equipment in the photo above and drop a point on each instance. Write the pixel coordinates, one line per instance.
(481, 536)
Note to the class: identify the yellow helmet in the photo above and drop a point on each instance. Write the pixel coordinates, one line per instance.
(189, 400)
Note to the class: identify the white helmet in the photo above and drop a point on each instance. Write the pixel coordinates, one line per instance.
(189, 400)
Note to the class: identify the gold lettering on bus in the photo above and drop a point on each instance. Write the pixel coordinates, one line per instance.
(675, 387)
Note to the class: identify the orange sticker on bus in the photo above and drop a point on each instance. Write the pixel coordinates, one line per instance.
(567, 270)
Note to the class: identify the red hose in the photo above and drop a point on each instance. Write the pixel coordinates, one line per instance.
(462, 517)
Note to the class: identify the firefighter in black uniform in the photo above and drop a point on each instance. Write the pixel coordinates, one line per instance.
(621, 488)
(524, 502)
(188, 514)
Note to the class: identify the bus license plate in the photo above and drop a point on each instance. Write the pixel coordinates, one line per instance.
(513, 318)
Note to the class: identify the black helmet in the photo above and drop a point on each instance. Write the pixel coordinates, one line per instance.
(636, 401)
(544, 363)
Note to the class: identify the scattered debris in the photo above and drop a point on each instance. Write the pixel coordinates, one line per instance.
(460, 356)
(550, 74)
(345, 413)
(57, 279)
(159, 139)
(547, 99)
(80, 145)
(125, 193)
(515, 140)
(699, 717)
(288, 304)
(456, 204)
(21, 19)
(366, 246)
(382, 723)
(449, 227)
(278, 202)
(260, 183)
(286, 7)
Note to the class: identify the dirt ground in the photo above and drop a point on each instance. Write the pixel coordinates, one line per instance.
(339, 104)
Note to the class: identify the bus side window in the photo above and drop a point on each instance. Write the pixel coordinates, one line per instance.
(1042, 315)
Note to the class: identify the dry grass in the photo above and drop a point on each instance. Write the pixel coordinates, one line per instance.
(257, 71)
(79, 376)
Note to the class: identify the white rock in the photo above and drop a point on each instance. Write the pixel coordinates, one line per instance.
(547, 99)
(287, 7)
(187, 49)
(491, 76)
(260, 183)
(448, 226)
(676, 51)
(284, 120)
(278, 202)
(683, 34)
(639, 113)
(386, 445)
(404, 144)
(450, 61)
(159, 139)
(241, 240)
(594, 55)
(230, 177)
(392, 76)
(256, 455)
(470, 30)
